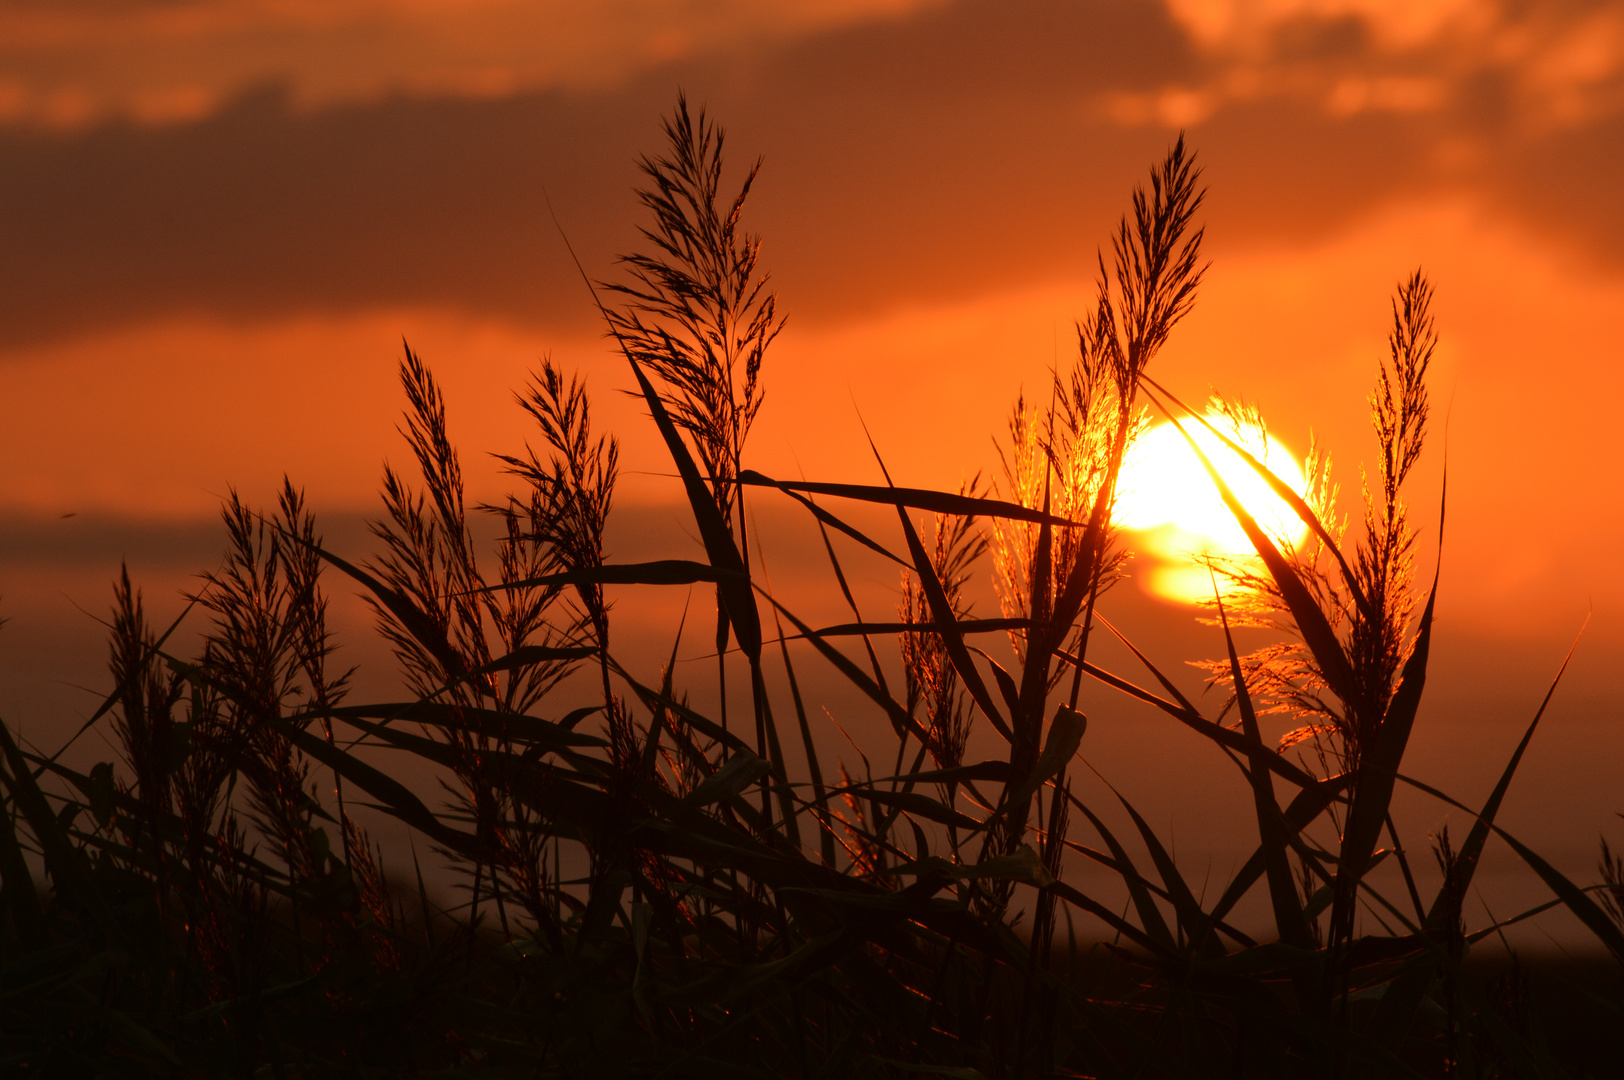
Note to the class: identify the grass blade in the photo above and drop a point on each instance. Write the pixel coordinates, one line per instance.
(820, 797)
(1233, 740)
(1308, 804)
(1194, 922)
(900, 718)
(1289, 921)
(1286, 494)
(656, 572)
(1472, 849)
(1150, 916)
(1311, 623)
(948, 621)
(65, 863)
(962, 626)
(733, 583)
(938, 502)
(1374, 794)
(395, 796)
(422, 628)
(19, 896)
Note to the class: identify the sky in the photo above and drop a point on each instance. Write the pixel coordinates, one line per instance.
(220, 219)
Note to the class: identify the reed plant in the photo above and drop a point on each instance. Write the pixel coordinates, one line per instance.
(649, 888)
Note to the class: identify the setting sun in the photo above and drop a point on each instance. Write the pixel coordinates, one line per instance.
(559, 539)
(1166, 497)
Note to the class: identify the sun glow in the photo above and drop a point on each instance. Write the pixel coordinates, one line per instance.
(1167, 499)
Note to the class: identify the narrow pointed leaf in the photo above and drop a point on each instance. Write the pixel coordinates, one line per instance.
(1307, 805)
(18, 892)
(706, 726)
(1065, 736)
(1024, 865)
(1311, 622)
(1574, 897)
(917, 804)
(733, 583)
(1110, 918)
(1197, 924)
(112, 699)
(962, 626)
(394, 795)
(1285, 492)
(1472, 849)
(737, 773)
(952, 638)
(991, 770)
(1150, 916)
(1288, 911)
(1374, 794)
(63, 861)
(825, 518)
(531, 655)
(1233, 740)
(900, 718)
(1006, 687)
(657, 572)
(522, 728)
(939, 502)
(826, 840)
(423, 629)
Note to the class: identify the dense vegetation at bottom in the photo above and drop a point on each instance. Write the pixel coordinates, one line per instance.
(648, 888)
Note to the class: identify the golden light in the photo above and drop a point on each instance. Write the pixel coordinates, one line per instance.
(1166, 497)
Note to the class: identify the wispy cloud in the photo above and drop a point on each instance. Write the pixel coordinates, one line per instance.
(915, 155)
(1557, 64)
(67, 64)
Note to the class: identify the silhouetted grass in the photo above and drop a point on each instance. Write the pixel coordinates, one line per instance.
(652, 891)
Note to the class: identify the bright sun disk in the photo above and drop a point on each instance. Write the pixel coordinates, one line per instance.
(1165, 495)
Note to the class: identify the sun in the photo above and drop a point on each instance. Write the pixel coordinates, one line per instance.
(1165, 496)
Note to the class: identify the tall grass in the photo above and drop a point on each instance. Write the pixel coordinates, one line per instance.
(648, 890)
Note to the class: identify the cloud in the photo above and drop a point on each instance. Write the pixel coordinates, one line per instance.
(264, 210)
(1250, 25)
(921, 159)
(74, 63)
(1562, 62)
(903, 160)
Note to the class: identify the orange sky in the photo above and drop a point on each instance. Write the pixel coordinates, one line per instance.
(218, 220)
